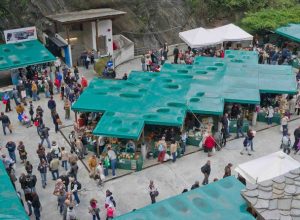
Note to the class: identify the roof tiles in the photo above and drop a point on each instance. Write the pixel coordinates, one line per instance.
(278, 198)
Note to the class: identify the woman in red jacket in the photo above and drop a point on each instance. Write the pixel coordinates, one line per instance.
(209, 144)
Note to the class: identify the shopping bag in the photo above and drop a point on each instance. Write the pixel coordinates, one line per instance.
(23, 94)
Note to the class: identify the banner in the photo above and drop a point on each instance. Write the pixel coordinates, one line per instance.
(20, 35)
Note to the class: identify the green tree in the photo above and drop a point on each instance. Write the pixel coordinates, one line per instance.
(270, 19)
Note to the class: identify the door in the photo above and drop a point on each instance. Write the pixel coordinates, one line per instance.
(101, 42)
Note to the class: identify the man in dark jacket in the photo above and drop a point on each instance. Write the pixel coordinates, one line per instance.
(239, 126)
(225, 124)
(206, 171)
(176, 54)
(5, 122)
(52, 105)
(11, 148)
(44, 135)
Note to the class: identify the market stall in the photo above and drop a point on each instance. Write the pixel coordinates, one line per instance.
(165, 98)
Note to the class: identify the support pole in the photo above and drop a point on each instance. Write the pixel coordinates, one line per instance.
(96, 23)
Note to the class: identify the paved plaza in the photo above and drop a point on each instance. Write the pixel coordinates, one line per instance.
(131, 191)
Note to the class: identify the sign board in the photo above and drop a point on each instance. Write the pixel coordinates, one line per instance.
(20, 35)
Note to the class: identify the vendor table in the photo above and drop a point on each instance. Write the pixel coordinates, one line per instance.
(232, 126)
(261, 116)
(194, 141)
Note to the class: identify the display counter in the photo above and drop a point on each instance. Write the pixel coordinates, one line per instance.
(233, 126)
(261, 116)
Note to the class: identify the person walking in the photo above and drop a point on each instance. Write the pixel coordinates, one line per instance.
(34, 90)
(250, 134)
(64, 158)
(44, 135)
(176, 54)
(31, 111)
(36, 205)
(28, 200)
(6, 102)
(94, 209)
(74, 169)
(173, 150)
(209, 144)
(67, 107)
(284, 124)
(54, 166)
(297, 138)
(239, 126)
(28, 167)
(246, 145)
(5, 122)
(42, 168)
(286, 143)
(183, 137)
(92, 163)
(227, 170)
(113, 159)
(100, 173)
(11, 148)
(22, 152)
(270, 115)
(52, 105)
(15, 95)
(162, 147)
(153, 192)
(56, 122)
(41, 152)
(75, 186)
(225, 124)
(206, 171)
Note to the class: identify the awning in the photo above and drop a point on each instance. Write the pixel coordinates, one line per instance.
(23, 54)
(201, 37)
(220, 200)
(291, 31)
(10, 205)
(267, 167)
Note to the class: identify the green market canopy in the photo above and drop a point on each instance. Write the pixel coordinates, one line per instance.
(219, 200)
(10, 205)
(291, 31)
(23, 54)
(164, 98)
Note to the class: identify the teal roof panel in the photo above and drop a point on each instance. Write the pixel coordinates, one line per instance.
(220, 200)
(23, 54)
(291, 31)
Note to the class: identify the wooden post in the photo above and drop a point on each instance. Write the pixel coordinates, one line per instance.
(96, 23)
(76, 121)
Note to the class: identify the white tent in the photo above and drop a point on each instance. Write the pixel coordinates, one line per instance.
(267, 167)
(201, 37)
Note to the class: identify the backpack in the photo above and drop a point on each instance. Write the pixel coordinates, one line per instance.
(78, 185)
(245, 142)
(30, 181)
(203, 169)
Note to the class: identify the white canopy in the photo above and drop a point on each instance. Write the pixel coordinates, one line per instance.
(267, 167)
(201, 37)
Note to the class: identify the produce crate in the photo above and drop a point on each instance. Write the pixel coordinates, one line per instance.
(261, 116)
(194, 141)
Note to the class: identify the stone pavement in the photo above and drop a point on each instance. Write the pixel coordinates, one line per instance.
(131, 191)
